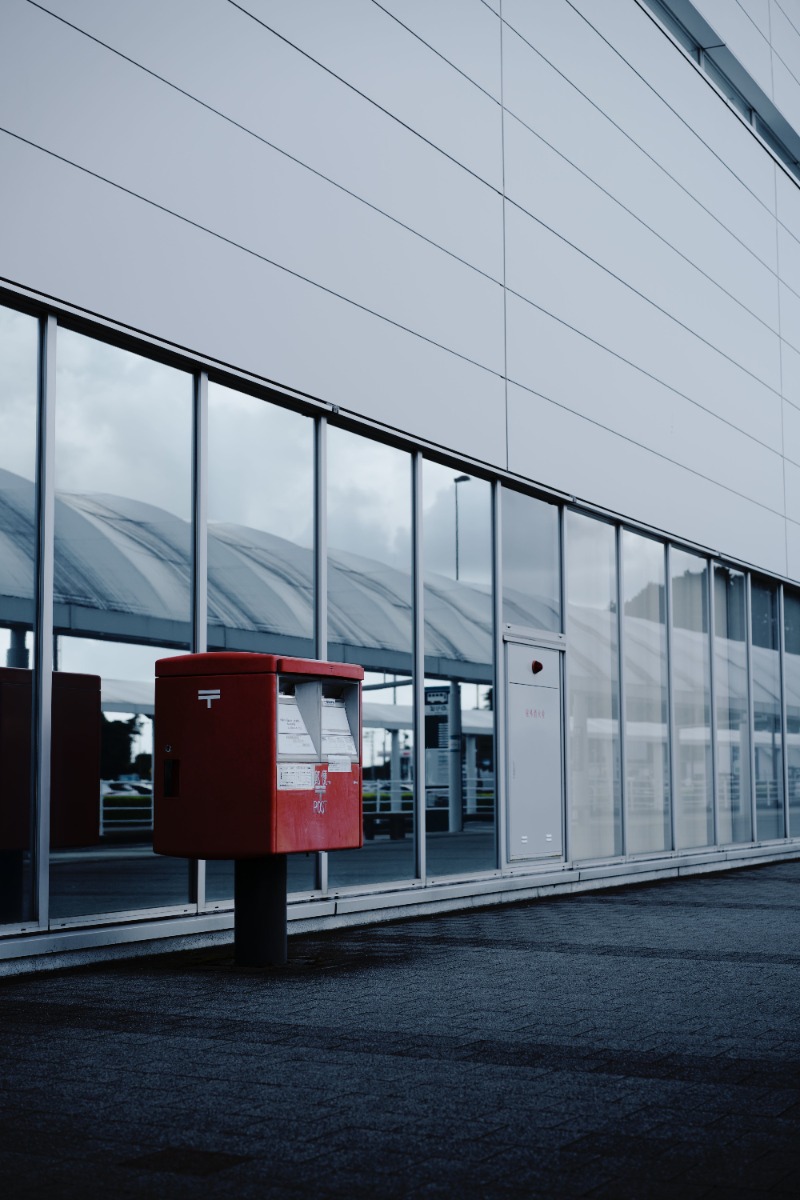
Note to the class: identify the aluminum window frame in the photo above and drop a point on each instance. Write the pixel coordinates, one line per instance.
(50, 318)
(44, 573)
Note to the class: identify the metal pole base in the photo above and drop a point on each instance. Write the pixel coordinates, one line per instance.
(259, 915)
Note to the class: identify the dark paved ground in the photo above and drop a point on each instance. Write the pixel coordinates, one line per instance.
(643, 1042)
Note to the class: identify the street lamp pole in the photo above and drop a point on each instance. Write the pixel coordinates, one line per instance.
(458, 479)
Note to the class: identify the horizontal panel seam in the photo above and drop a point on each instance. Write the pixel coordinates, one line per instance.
(788, 18)
(667, 105)
(266, 142)
(356, 91)
(632, 140)
(636, 367)
(247, 250)
(782, 60)
(781, 278)
(433, 50)
(649, 449)
(670, 317)
(641, 221)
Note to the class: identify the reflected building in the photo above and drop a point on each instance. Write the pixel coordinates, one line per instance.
(480, 375)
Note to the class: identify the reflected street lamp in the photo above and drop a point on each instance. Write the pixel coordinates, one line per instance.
(458, 479)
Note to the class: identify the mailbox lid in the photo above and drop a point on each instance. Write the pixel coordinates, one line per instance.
(322, 670)
(224, 662)
(242, 662)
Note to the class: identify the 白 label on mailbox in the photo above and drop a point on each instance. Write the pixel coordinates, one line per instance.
(337, 738)
(293, 777)
(293, 737)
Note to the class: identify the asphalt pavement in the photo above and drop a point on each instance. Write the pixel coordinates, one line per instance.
(636, 1042)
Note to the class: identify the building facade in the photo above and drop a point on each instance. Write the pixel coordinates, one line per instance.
(449, 339)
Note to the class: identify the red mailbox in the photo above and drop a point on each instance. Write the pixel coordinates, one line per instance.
(256, 755)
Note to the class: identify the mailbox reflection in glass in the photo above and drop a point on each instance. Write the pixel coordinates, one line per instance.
(256, 754)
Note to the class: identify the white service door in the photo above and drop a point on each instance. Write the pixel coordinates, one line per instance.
(534, 752)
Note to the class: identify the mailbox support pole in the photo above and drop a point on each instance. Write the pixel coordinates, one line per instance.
(259, 915)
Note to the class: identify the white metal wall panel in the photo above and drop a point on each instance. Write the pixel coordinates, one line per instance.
(790, 316)
(682, 86)
(574, 207)
(790, 375)
(743, 25)
(254, 197)
(787, 93)
(793, 549)
(791, 433)
(788, 202)
(759, 13)
(785, 28)
(785, 25)
(465, 32)
(620, 474)
(566, 284)
(74, 237)
(737, 186)
(365, 47)
(793, 491)
(555, 110)
(789, 259)
(579, 375)
(207, 48)
(583, 137)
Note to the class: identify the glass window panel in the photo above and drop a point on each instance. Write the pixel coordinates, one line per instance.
(122, 600)
(460, 799)
(647, 790)
(531, 562)
(260, 552)
(18, 403)
(595, 804)
(691, 679)
(791, 610)
(733, 713)
(767, 710)
(369, 622)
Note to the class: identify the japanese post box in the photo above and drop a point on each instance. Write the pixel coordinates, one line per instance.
(256, 754)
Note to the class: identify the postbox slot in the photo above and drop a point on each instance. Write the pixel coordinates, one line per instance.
(172, 777)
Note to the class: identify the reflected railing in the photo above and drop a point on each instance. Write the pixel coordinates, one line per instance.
(389, 804)
(126, 808)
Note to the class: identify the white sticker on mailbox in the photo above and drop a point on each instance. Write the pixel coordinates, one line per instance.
(339, 763)
(295, 776)
(337, 738)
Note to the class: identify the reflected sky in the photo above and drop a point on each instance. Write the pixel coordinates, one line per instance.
(474, 524)
(122, 424)
(260, 465)
(369, 499)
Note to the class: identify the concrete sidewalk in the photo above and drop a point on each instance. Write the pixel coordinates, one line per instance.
(637, 1042)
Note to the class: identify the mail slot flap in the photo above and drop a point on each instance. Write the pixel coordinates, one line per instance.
(309, 666)
(318, 719)
(340, 726)
(533, 665)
